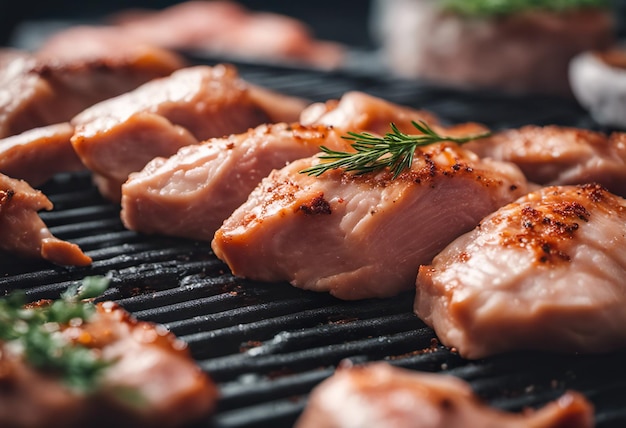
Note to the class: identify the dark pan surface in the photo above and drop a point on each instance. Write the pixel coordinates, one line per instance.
(268, 345)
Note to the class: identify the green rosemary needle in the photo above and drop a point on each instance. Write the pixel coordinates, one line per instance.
(33, 332)
(394, 151)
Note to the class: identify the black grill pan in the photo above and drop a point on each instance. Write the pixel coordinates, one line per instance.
(267, 345)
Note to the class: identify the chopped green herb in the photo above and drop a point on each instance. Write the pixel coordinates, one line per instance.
(35, 333)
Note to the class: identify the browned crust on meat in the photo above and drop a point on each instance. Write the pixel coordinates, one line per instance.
(5, 198)
(316, 205)
(545, 227)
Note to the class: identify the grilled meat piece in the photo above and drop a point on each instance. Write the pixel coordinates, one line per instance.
(36, 155)
(53, 85)
(544, 272)
(555, 155)
(24, 233)
(361, 236)
(191, 193)
(152, 381)
(228, 28)
(380, 395)
(358, 111)
(121, 135)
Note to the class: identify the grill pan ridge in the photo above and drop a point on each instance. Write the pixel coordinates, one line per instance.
(268, 344)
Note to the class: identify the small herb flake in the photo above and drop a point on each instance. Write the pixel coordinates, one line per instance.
(36, 332)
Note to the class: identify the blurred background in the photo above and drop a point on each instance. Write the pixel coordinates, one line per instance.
(341, 20)
(402, 38)
(346, 21)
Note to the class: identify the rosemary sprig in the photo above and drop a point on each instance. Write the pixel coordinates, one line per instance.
(34, 332)
(394, 151)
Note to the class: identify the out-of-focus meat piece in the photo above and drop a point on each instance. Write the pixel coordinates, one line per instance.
(358, 111)
(191, 193)
(554, 155)
(380, 395)
(153, 382)
(226, 28)
(544, 272)
(361, 236)
(24, 233)
(529, 50)
(26, 98)
(36, 155)
(121, 135)
(58, 82)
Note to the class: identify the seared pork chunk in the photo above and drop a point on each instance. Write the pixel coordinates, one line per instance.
(545, 272)
(358, 111)
(191, 193)
(555, 155)
(382, 396)
(147, 378)
(36, 155)
(361, 236)
(52, 86)
(23, 232)
(121, 135)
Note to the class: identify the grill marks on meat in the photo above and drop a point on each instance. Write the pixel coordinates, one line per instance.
(191, 193)
(362, 236)
(380, 395)
(121, 135)
(52, 86)
(545, 272)
(149, 364)
(554, 155)
(24, 233)
(36, 155)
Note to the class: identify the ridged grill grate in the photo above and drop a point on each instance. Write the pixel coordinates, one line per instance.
(268, 345)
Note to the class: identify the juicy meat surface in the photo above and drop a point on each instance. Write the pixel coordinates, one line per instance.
(359, 111)
(150, 364)
(22, 231)
(227, 28)
(191, 193)
(361, 236)
(380, 395)
(554, 155)
(36, 155)
(53, 85)
(545, 272)
(122, 134)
